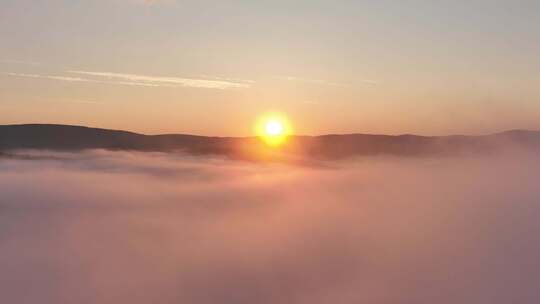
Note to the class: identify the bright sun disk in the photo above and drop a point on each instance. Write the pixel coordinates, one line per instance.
(274, 128)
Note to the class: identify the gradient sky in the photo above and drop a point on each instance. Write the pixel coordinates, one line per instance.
(212, 67)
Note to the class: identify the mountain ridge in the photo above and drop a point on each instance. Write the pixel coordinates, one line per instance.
(72, 138)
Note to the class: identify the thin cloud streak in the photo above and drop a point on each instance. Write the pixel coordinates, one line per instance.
(78, 79)
(227, 79)
(138, 80)
(74, 79)
(186, 82)
(19, 62)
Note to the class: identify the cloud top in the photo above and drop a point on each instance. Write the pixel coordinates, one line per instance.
(105, 227)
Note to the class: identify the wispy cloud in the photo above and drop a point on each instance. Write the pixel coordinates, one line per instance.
(239, 80)
(20, 62)
(78, 79)
(138, 80)
(156, 80)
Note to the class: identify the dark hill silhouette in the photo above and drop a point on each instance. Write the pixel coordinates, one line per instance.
(63, 137)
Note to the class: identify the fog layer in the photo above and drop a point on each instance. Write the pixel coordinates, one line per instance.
(118, 227)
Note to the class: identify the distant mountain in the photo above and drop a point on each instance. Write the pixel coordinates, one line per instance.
(63, 137)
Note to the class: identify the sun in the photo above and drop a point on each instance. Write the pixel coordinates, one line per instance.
(273, 128)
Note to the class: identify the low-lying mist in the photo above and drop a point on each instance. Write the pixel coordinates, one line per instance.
(120, 227)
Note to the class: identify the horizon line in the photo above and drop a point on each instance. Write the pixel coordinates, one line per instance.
(254, 136)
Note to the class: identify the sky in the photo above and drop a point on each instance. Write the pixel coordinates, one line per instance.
(212, 67)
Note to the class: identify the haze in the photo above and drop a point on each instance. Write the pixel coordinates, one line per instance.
(118, 227)
(269, 152)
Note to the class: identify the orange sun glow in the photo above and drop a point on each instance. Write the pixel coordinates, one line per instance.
(273, 128)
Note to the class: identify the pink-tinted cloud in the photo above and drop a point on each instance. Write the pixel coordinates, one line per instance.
(115, 227)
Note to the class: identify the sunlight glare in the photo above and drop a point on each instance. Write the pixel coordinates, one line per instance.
(273, 128)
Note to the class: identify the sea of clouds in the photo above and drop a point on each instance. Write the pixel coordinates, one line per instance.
(119, 227)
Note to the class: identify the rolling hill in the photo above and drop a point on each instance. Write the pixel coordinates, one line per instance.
(73, 138)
